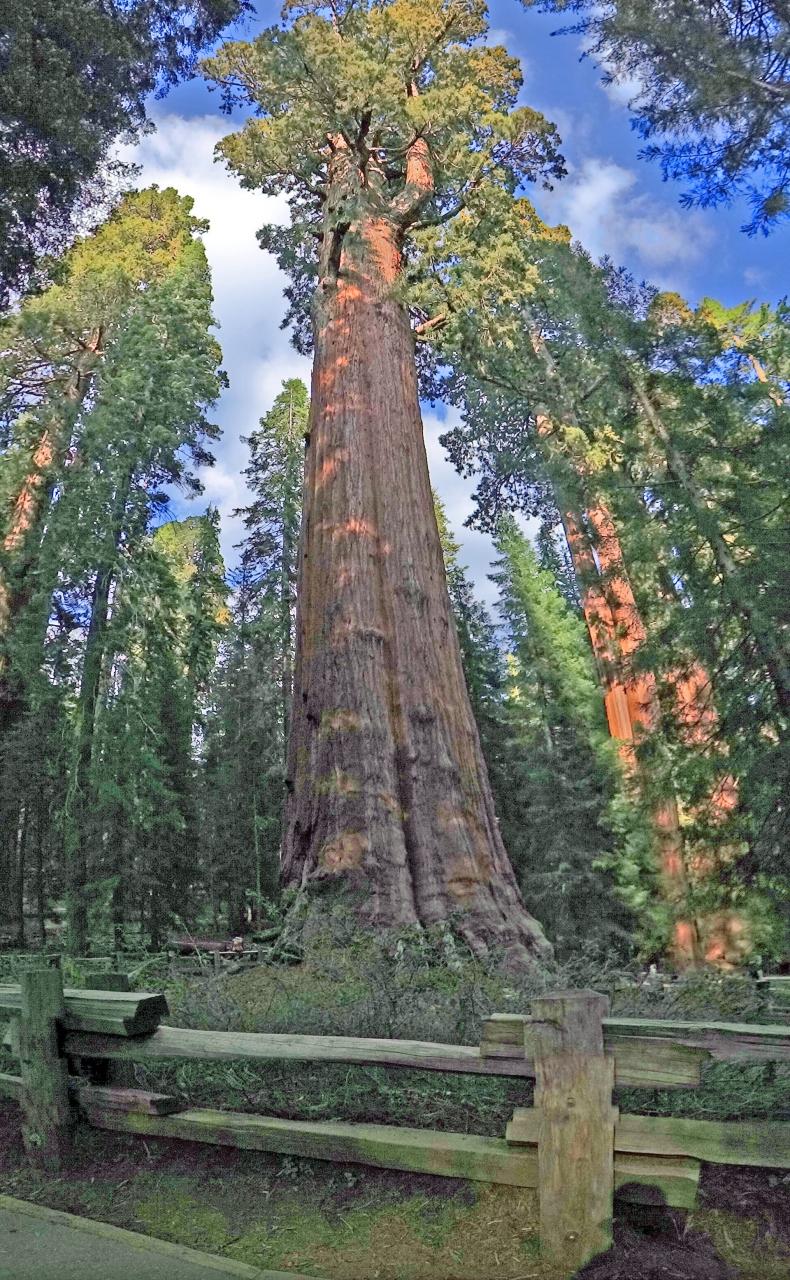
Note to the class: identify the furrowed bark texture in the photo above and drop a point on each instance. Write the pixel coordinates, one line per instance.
(389, 800)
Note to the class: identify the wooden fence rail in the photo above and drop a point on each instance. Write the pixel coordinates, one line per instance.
(572, 1145)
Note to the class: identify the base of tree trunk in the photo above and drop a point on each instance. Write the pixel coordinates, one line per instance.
(334, 912)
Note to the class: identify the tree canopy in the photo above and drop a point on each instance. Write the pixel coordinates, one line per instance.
(711, 91)
(74, 76)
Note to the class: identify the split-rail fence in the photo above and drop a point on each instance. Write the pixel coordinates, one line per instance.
(573, 1145)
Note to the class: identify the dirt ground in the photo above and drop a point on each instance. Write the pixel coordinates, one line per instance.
(348, 1222)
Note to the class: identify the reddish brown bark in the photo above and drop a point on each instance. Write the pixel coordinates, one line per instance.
(18, 546)
(630, 696)
(26, 505)
(389, 802)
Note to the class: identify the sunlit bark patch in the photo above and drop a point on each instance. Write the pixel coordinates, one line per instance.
(330, 466)
(344, 853)
(465, 876)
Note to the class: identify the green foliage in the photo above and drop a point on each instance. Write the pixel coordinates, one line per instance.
(584, 391)
(711, 84)
(74, 76)
(556, 773)
(373, 79)
(400, 985)
(108, 646)
(243, 771)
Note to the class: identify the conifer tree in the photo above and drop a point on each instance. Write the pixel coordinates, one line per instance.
(275, 475)
(560, 777)
(51, 353)
(617, 418)
(711, 84)
(169, 614)
(74, 76)
(244, 769)
(378, 119)
(140, 429)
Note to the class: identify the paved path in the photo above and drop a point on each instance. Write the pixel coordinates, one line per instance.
(37, 1243)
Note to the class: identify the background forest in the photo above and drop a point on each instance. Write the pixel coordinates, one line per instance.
(627, 448)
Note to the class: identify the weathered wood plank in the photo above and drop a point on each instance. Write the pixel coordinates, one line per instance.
(106, 982)
(724, 1041)
(116, 1013)
(655, 1064)
(660, 1180)
(47, 1118)
(504, 1036)
(765, 1144)
(11, 1086)
(177, 1042)
(455, 1155)
(639, 1061)
(676, 1067)
(131, 1100)
(451, 1155)
(11, 1037)
(573, 1096)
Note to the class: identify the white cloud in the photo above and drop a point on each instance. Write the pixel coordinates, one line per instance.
(623, 89)
(601, 205)
(499, 35)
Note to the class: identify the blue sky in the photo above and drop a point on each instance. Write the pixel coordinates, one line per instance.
(613, 202)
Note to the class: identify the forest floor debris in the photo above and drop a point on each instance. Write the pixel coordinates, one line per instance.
(348, 1222)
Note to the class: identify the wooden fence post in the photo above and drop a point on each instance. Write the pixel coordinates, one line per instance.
(47, 1123)
(106, 982)
(574, 1082)
(103, 1071)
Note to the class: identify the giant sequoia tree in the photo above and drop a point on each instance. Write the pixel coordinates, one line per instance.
(378, 119)
(71, 551)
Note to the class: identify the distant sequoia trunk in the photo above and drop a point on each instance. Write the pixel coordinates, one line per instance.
(19, 547)
(389, 806)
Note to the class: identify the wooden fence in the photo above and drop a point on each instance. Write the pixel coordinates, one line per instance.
(572, 1145)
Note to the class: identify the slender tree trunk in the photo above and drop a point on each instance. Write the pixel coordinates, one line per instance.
(77, 868)
(41, 896)
(19, 550)
(389, 803)
(19, 873)
(78, 805)
(286, 576)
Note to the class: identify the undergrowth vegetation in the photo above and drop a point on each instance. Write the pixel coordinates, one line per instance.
(420, 987)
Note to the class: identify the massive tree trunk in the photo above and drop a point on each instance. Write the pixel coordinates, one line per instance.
(389, 802)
